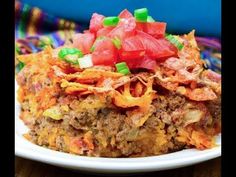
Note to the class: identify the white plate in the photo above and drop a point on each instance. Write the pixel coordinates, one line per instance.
(25, 149)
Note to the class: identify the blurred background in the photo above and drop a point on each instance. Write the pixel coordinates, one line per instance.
(181, 16)
(46, 22)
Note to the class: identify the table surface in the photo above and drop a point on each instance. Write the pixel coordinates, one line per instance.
(29, 168)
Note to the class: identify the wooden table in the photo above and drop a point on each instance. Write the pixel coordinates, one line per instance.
(28, 168)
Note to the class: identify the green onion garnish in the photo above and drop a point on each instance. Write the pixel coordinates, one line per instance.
(122, 68)
(17, 49)
(141, 15)
(121, 65)
(174, 41)
(116, 41)
(150, 19)
(124, 71)
(19, 66)
(111, 21)
(70, 55)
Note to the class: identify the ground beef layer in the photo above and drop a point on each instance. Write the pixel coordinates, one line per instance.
(92, 125)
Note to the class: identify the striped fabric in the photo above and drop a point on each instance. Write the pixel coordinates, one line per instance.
(34, 29)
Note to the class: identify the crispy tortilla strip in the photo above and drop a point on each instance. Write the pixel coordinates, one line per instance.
(126, 100)
(93, 74)
(71, 87)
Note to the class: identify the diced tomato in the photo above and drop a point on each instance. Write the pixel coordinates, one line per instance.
(140, 26)
(126, 55)
(131, 48)
(105, 53)
(124, 29)
(155, 48)
(125, 14)
(145, 62)
(104, 31)
(83, 41)
(155, 29)
(96, 22)
(167, 43)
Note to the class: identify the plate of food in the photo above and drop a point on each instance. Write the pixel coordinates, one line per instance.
(124, 96)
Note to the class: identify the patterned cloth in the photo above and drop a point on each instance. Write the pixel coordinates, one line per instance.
(34, 29)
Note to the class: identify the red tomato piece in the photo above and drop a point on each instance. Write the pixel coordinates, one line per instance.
(155, 29)
(125, 14)
(155, 48)
(104, 31)
(124, 29)
(131, 48)
(96, 22)
(83, 42)
(166, 43)
(105, 53)
(126, 55)
(145, 63)
(140, 26)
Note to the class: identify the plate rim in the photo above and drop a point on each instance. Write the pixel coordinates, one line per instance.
(111, 165)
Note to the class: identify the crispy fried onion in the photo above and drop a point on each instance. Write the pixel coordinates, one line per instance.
(183, 71)
(125, 99)
(141, 96)
(212, 79)
(188, 78)
(110, 83)
(190, 50)
(197, 94)
(92, 74)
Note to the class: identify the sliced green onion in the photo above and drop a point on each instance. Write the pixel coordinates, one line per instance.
(121, 65)
(19, 66)
(174, 41)
(69, 51)
(122, 68)
(141, 15)
(71, 59)
(116, 41)
(124, 71)
(85, 62)
(111, 21)
(166, 34)
(70, 55)
(150, 19)
(17, 49)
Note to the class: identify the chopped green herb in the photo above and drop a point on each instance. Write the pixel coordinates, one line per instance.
(141, 15)
(122, 68)
(70, 55)
(174, 41)
(111, 21)
(150, 19)
(116, 41)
